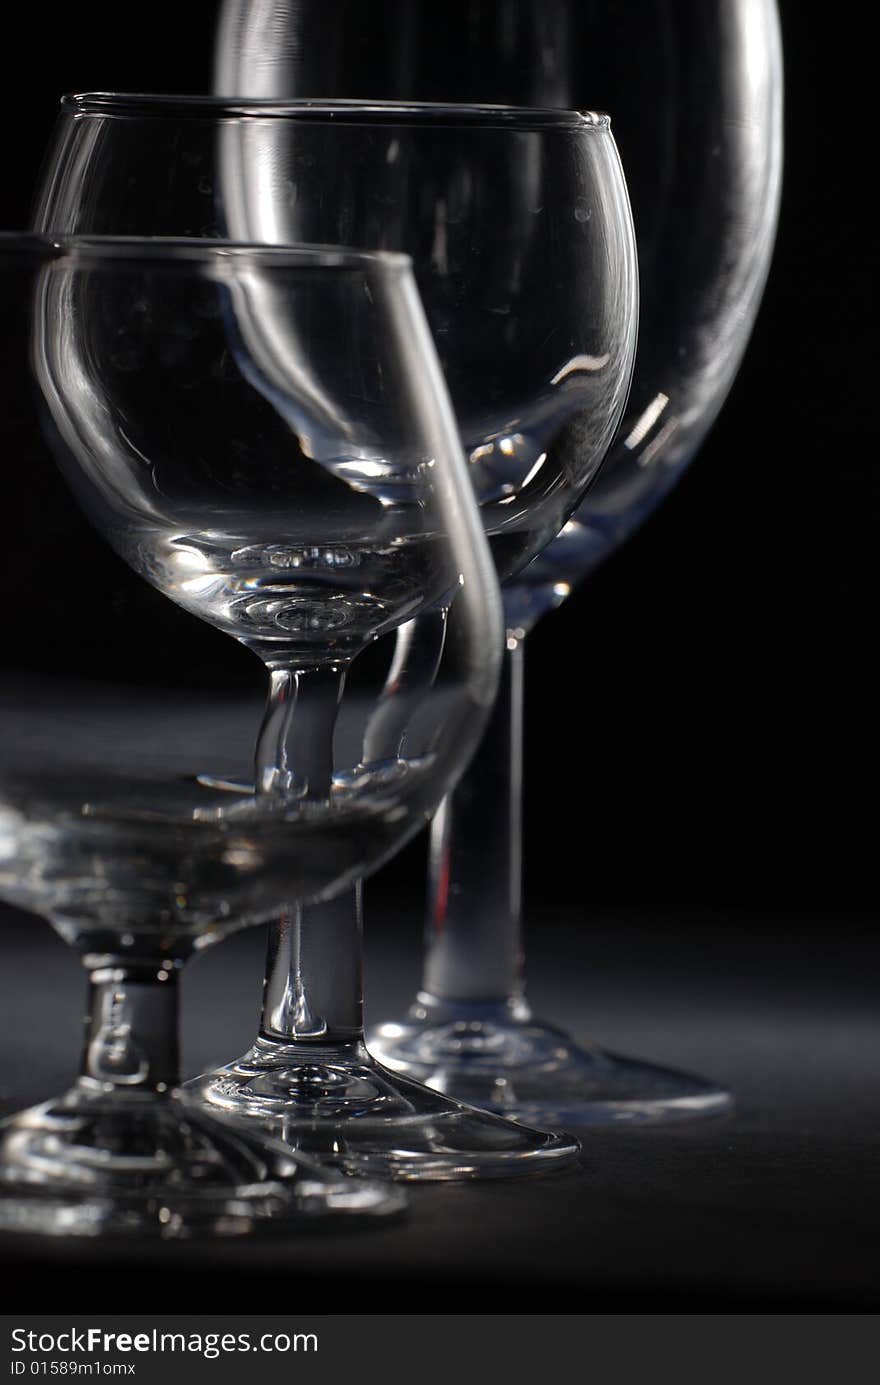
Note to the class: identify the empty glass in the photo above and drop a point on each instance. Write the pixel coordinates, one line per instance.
(106, 832)
(519, 226)
(695, 89)
(303, 494)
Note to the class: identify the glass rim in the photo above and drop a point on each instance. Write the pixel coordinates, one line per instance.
(172, 250)
(334, 109)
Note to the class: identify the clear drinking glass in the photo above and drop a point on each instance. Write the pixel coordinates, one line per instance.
(519, 227)
(695, 88)
(303, 495)
(106, 832)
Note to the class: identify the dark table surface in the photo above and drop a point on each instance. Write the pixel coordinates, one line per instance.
(774, 1208)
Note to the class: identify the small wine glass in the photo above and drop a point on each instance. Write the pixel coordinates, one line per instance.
(208, 467)
(106, 832)
(519, 227)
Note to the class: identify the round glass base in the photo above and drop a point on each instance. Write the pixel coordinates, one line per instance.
(108, 1163)
(531, 1072)
(339, 1105)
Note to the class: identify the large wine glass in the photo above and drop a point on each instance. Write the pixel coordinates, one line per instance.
(519, 227)
(303, 502)
(695, 89)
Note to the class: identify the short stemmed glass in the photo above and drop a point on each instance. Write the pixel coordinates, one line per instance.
(519, 226)
(303, 501)
(106, 832)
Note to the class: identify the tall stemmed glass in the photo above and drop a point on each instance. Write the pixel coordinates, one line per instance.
(518, 222)
(695, 87)
(202, 460)
(705, 184)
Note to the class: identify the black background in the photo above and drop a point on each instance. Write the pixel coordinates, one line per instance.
(699, 750)
(701, 712)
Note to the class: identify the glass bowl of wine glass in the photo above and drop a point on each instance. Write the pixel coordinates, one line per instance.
(517, 222)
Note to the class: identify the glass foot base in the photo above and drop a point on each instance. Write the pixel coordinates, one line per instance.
(339, 1105)
(534, 1073)
(99, 1163)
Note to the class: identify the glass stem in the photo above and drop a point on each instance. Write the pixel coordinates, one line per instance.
(314, 973)
(131, 1039)
(314, 964)
(294, 751)
(474, 949)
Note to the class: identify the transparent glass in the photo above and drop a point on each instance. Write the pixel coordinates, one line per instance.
(106, 831)
(519, 227)
(305, 494)
(695, 89)
(517, 222)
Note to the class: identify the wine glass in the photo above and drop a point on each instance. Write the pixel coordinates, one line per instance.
(695, 87)
(105, 831)
(519, 226)
(207, 477)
